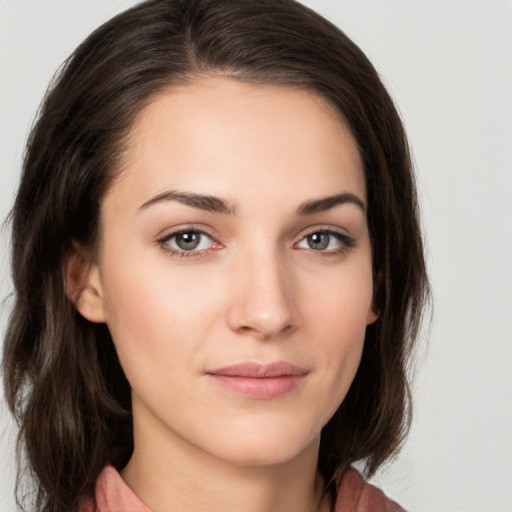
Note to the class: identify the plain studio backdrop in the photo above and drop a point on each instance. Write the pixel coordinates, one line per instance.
(448, 64)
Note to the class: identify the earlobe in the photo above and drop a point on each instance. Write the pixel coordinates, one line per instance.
(372, 316)
(83, 286)
(373, 312)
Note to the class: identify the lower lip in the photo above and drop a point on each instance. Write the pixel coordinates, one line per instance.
(261, 388)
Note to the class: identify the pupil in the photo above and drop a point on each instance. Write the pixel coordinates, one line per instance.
(318, 241)
(188, 241)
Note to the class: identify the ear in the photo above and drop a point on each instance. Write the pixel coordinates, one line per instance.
(83, 284)
(371, 316)
(373, 312)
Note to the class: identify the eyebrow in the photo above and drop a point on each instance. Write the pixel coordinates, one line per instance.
(203, 202)
(326, 203)
(218, 205)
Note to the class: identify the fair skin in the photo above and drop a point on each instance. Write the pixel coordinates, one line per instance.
(238, 318)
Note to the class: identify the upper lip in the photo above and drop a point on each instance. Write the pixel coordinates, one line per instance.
(259, 370)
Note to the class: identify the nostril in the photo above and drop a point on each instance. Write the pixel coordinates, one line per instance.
(265, 333)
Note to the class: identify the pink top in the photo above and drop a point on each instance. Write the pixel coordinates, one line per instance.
(354, 495)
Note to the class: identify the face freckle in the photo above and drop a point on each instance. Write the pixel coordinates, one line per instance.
(211, 277)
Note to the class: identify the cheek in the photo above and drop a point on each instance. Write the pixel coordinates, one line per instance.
(341, 301)
(157, 317)
(339, 312)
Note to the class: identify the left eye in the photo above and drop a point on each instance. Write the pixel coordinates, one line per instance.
(188, 241)
(322, 241)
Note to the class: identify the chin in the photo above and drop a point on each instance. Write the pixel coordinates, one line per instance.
(265, 446)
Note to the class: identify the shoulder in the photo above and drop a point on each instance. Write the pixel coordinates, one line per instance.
(354, 494)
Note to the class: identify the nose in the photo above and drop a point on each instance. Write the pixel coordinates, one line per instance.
(262, 304)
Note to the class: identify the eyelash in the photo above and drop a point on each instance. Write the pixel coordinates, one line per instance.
(164, 241)
(347, 242)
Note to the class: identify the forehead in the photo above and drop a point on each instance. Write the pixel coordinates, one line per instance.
(225, 137)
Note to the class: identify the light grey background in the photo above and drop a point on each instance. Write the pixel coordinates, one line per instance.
(449, 66)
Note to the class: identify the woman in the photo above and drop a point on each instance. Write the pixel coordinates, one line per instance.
(218, 267)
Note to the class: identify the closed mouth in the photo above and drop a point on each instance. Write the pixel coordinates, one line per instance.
(260, 381)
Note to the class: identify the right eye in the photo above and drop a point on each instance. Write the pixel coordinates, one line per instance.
(191, 241)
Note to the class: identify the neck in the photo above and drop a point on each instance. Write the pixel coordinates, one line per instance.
(171, 475)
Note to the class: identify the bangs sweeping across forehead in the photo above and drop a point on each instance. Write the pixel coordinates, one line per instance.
(61, 374)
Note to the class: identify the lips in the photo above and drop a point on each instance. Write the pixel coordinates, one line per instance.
(259, 381)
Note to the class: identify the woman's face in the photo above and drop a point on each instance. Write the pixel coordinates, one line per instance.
(235, 270)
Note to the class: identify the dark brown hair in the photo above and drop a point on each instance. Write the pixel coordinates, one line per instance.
(62, 377)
